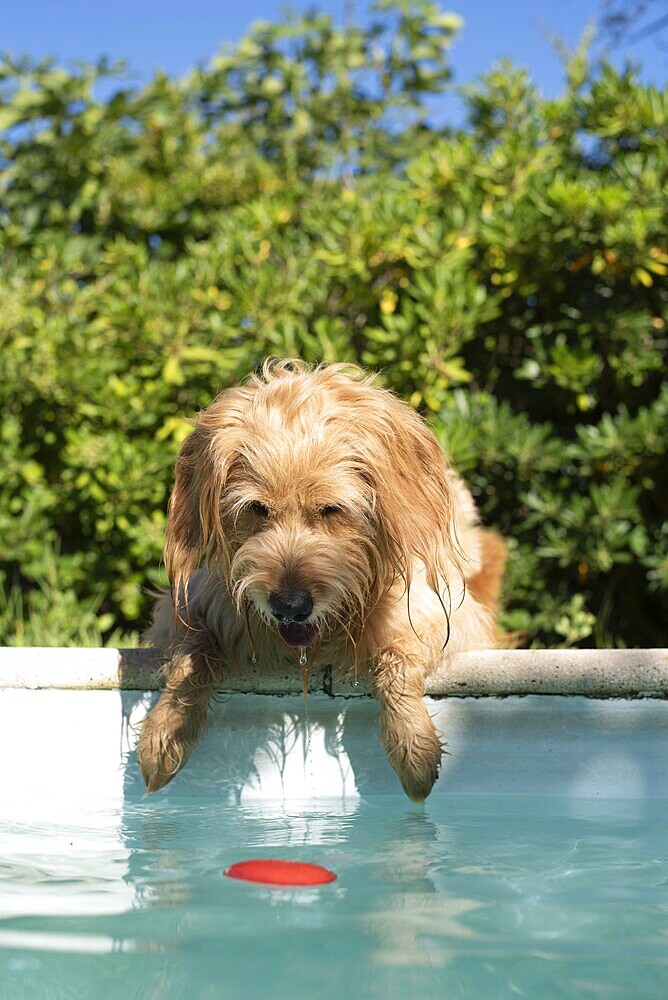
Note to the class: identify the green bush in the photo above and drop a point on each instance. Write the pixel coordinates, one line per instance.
(507, 278)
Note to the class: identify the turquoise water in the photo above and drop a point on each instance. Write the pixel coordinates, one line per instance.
(495, 896)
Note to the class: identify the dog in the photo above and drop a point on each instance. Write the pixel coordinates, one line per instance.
(315, 518)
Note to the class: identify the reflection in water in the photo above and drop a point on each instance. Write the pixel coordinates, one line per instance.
(91, 944)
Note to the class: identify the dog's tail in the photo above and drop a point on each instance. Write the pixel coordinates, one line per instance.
(485, 586)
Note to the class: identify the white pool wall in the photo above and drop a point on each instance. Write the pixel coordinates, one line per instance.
(71, 752)
(577, 723)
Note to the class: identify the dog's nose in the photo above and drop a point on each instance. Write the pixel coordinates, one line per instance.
(291, 605)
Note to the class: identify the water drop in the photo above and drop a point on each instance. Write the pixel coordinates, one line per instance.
(302, 656)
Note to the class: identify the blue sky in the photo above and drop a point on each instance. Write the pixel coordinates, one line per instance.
(177, 35)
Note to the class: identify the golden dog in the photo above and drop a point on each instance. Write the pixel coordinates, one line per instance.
(314, 518)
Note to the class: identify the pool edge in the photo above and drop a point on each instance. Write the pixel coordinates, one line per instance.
(596, 673)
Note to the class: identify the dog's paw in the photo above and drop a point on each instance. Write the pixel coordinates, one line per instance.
(414, 751)
(166, 740)
(418, 770)
(161, 755)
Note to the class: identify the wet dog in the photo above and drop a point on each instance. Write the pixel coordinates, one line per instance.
(315, 518)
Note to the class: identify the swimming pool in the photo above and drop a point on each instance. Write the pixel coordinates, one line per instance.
(537, 868)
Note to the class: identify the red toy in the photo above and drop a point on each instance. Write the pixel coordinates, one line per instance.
(272, 872)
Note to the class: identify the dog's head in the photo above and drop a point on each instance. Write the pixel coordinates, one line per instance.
(310, 491)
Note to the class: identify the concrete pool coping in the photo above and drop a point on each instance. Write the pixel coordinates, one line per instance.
(595, 673)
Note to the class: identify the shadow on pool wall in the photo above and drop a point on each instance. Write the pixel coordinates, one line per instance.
(260, 750)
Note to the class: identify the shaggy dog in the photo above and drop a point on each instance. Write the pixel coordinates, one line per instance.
(330, 531)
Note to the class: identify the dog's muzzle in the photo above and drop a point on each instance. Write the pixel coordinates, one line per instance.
(291, 609)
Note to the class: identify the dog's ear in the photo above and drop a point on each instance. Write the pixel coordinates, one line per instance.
(187, 534)
(194, 523)
(413, 495)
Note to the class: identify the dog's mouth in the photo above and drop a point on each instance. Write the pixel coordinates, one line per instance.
(298, 633)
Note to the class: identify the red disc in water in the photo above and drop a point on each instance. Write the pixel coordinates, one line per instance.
(272, 872)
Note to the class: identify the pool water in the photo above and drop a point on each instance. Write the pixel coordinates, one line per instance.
(474, 895)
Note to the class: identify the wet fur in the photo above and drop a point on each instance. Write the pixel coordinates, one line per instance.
(363, 511)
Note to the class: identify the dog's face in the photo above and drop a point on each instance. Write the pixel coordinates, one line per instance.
(310, 492)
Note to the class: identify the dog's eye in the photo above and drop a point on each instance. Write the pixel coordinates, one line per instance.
(258, 508)
(330, 509)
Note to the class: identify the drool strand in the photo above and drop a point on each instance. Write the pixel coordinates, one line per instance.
(303, 663)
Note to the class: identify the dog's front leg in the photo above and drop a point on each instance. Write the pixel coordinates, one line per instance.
(172, 728)
(407, 732)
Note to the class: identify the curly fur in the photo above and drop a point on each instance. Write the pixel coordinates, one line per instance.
(314, 480)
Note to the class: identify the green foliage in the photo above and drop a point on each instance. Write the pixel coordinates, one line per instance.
(53, 614)
(292, 198)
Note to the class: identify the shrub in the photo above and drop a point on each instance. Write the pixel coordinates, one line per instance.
(293, 198)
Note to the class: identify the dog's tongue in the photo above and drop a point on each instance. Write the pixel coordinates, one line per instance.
(297, 634)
